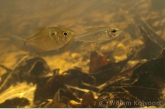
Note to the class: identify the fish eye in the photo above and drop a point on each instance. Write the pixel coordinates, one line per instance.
(114, 31)
(65, 33)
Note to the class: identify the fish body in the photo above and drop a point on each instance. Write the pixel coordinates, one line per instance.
(50, 38)
(99, 34)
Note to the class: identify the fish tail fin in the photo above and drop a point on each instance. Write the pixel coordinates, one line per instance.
(17, 42)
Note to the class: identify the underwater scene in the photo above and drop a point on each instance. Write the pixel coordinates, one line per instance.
(82, 53)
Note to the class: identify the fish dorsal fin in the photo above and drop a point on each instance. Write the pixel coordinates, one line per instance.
(36, 30)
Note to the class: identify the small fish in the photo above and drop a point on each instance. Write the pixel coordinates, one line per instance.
(50, 38)
(99, 34)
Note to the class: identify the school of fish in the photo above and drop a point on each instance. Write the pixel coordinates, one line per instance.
(53, 38)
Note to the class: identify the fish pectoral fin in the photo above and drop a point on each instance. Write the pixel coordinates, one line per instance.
(67, 46)
(87, 44)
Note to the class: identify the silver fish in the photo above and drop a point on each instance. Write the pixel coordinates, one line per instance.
(50, 38)
(99, 34)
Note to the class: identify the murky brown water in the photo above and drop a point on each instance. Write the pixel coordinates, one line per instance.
(19, 17)
(22, 16)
